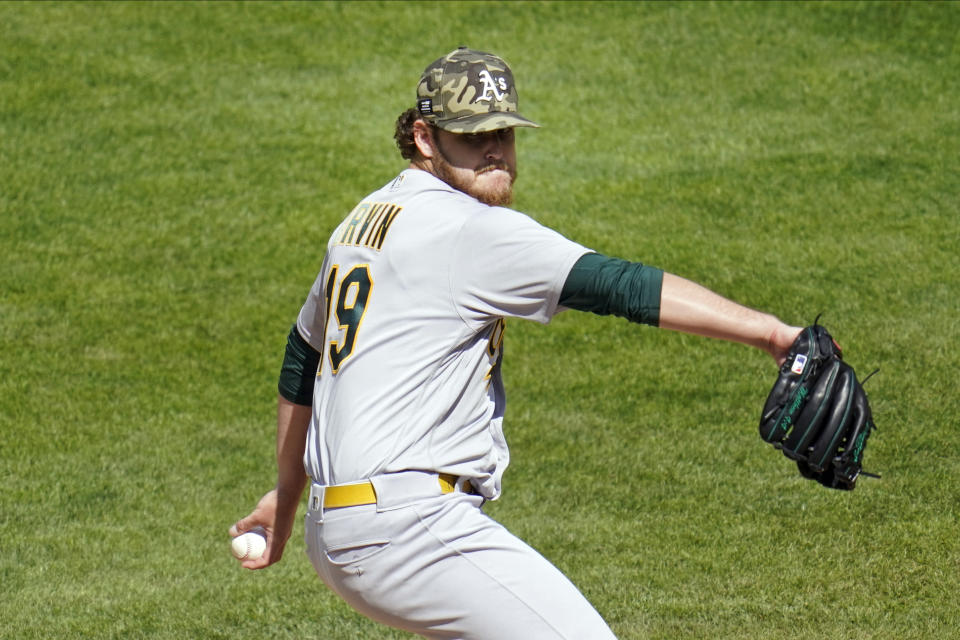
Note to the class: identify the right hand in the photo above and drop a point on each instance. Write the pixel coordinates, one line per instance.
(780, 341)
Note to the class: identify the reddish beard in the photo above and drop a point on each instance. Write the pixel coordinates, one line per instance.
(495, 195)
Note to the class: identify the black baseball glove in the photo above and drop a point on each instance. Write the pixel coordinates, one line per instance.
(817, 412)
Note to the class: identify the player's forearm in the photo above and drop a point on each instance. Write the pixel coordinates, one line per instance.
(295, 395)
(292, 422)
(691, 308)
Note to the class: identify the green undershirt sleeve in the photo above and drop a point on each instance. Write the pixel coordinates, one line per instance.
(611, 286)
(299, 369)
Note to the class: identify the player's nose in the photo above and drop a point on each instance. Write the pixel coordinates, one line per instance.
(494, 150)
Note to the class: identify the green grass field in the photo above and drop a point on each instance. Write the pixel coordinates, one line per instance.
(169, 174)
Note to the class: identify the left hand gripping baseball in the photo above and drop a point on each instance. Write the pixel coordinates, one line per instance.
(249, 545)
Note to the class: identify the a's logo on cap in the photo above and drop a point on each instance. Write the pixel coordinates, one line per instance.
(492, 89)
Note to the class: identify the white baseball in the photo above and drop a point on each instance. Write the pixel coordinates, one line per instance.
(248, 546)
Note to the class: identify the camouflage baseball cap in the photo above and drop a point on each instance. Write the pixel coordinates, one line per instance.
(469, 91)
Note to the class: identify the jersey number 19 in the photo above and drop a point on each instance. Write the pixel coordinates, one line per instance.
(352, 293)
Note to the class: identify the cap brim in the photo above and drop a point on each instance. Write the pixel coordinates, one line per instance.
(485, 122)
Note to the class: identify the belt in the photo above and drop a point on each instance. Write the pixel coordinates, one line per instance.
(359, 493)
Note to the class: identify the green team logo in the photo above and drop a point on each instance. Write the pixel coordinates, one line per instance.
(787, 419)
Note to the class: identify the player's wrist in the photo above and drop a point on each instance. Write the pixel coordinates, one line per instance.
(780, 339)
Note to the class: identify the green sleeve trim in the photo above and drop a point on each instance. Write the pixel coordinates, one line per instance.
(299, 369)
(611, 286)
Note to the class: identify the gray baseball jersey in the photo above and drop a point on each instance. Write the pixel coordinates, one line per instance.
(408, 313)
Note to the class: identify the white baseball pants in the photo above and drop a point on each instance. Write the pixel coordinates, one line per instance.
(436, 565)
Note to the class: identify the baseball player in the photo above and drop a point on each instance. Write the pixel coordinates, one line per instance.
(391, 401)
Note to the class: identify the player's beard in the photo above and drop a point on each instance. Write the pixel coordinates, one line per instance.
(491, 184)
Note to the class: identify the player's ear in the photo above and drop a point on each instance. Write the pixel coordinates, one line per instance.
(423, 138)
